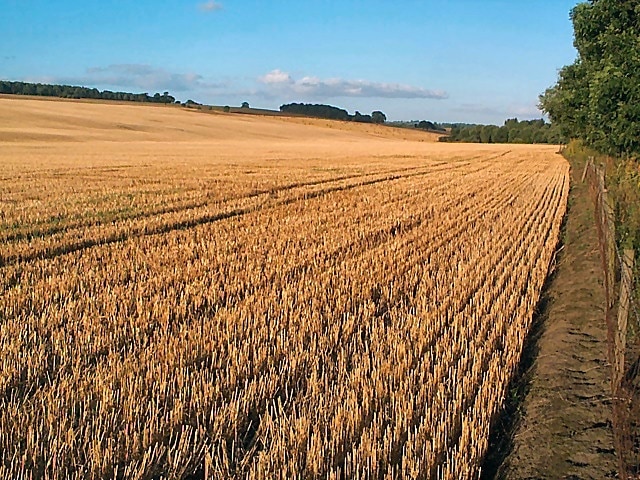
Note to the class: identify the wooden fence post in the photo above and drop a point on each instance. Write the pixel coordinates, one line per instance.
(609, 233)
(626, 276)
(586, 168)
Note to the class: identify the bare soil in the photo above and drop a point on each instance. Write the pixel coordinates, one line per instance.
(563, 425)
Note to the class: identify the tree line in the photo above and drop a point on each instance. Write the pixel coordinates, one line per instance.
(332, 113)
(69, 91)
(597, 98)
(513, 131)
(420, 124)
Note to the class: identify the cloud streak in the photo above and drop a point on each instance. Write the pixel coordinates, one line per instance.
(526, 111)
(278, 81)
(141, 76)
(210, 6)
(478, 109)
(483, 113)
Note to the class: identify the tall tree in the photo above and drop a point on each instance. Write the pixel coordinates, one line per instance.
(378, 117)
(597, 98)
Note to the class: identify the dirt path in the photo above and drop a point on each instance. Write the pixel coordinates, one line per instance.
(565, 428)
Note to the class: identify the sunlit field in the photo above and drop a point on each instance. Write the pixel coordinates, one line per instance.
(207, 295)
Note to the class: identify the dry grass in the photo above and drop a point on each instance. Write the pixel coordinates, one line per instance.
(244, 297)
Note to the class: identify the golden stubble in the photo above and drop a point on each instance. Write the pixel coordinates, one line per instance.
(246, 297)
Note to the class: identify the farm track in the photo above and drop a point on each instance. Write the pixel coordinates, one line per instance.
(564, 427)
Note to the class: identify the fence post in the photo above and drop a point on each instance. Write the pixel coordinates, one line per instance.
(609, 233)
(626, 276)
(586, 168)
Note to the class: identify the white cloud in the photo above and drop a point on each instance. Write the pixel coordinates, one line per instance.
(526, 111)
(276, 77)
(478, 109)
(316, 87)
(496, 113)
(210, 6)
(140, 76)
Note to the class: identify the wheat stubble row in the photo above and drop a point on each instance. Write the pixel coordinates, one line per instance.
(358, 323)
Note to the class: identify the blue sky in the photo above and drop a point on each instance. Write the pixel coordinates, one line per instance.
(447, 60)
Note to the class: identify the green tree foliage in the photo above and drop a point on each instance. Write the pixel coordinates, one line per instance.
(486, 133)
(358, 117)
(501, 135)
(513, 131)
(378, 117)
(332, 113)
(315, 110)
(68, 91)
(597, 98)
(421, 124)
(429, 126)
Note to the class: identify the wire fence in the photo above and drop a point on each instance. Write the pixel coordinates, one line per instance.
(623, 327)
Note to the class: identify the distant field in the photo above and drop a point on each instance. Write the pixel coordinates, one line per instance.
(229, 296)
(42, 118)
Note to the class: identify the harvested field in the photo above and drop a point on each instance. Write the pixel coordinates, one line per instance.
(190, 295)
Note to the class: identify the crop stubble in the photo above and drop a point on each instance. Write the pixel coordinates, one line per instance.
(289, 302)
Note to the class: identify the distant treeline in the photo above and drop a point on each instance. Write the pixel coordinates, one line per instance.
(421, 124)
(513, 131)
(332, 113)
(68, 91)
